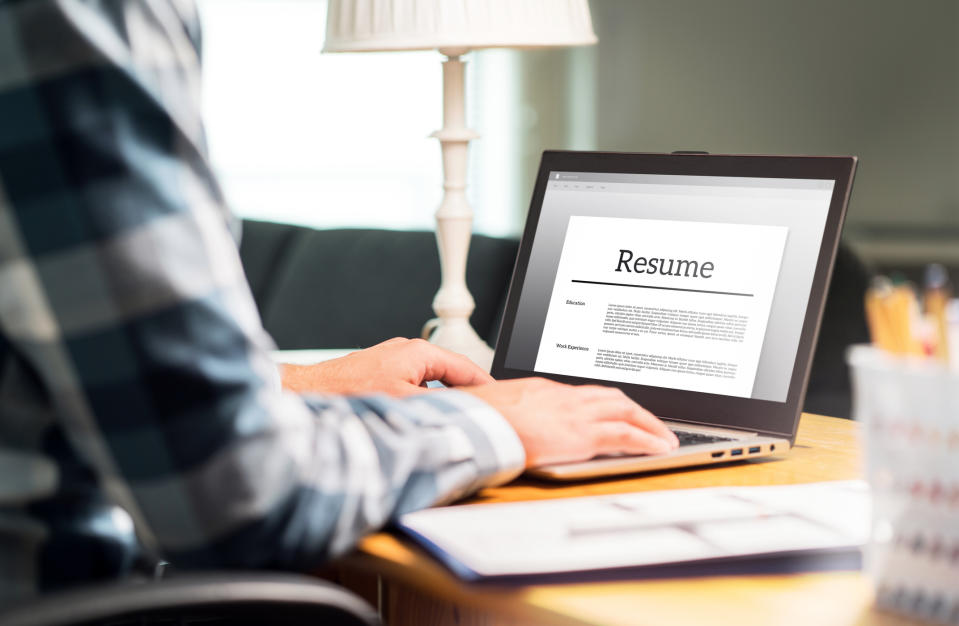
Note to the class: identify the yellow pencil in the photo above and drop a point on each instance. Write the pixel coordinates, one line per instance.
(906, 314)
(877, 319)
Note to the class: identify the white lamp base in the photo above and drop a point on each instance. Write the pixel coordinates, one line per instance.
(454, 220)
(458, 336)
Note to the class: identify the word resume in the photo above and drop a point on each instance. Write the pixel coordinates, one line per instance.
(674, 304)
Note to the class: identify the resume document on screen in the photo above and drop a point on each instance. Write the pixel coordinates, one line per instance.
(665, 303)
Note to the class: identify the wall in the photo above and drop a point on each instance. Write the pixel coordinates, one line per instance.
(875, 78)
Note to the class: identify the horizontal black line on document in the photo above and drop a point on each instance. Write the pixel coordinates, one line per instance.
(721, 293)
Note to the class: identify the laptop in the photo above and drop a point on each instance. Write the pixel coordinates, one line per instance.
(693, 282)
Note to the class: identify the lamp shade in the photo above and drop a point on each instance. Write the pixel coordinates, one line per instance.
(372, 25)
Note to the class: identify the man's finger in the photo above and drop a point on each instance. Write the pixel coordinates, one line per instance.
(453, 370)
(614, 437)
(598, 392)
(628, 411)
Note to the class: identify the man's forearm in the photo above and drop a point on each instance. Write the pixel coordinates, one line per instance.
(312, 486)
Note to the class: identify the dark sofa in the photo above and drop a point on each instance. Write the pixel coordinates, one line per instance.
(352, 288)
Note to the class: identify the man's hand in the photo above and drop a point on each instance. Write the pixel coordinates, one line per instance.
(561, 423)
(397, 367)
(555, 422)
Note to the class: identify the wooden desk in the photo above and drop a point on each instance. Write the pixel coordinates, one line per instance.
(411, 588)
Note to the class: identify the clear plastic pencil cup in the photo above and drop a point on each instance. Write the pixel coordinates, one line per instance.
(908, 409)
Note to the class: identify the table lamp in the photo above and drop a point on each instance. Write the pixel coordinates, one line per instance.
(455, 27)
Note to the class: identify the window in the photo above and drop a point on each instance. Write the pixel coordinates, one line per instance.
(337, 140)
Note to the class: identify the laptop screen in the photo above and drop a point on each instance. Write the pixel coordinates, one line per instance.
(697, 283)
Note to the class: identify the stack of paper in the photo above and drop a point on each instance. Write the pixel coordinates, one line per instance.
(643, 529)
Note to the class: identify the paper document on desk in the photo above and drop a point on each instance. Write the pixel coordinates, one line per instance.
(643, 529)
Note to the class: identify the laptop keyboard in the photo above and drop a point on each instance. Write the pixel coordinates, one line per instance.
(692, 439)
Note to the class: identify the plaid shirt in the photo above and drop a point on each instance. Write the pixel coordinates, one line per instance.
(136, 404)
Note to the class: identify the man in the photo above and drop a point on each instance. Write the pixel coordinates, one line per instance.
(139, 413)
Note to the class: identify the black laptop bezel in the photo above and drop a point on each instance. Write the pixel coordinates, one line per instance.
(775, 419)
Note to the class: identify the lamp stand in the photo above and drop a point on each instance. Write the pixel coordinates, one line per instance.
(453, 303)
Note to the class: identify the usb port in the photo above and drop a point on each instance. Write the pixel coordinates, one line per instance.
(754, 450)
(736, 452)
(718, 455)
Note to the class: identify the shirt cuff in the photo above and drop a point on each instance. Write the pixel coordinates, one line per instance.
(496, 448)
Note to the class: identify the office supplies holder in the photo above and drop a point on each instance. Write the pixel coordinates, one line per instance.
(909, 412)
